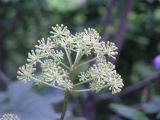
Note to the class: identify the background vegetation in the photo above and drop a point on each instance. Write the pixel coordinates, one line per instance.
(133, 25)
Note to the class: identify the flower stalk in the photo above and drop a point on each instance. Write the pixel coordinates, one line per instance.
(66, 99)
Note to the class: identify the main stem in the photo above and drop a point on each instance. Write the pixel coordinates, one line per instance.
(67, 92)
(66, 98)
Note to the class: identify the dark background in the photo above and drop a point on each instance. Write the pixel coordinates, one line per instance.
(134, 26)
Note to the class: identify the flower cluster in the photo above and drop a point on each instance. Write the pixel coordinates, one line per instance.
(54, 58)
(9, 117)
(103, 75)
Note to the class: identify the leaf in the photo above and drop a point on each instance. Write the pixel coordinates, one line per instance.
(80, 118)
(75, 118)
(128, 112)
(16, 89)
(34, 107)
(3, 96)
(27, 105)
(64, 5)
(141, 70)
(152, 106)
(114, 117)
(54, 96)
(158, 116)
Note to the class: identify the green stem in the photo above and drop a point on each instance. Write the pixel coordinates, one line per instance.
(66, 98)
(83, 63)
(68, 56)
(64, 65)
(75, 85)
(67, 93)
(82, 90)
(78, 56)
(58, 87)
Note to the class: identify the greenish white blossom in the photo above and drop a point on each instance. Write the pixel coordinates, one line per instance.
(50, 55)
(9, 117)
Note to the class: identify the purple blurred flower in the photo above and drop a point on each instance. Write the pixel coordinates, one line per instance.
(156, 62)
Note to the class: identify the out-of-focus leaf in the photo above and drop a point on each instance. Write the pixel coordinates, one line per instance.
(156, 14)
(142, 40)
(128, 112)
(77, 118)
(114, 117)
(34, 107)
(141, 70)
(64, 5)
(27, 105)
(17, 89)
(152, 106)
(80, 118)
(3, 96)
(158, 116)
(54, 96)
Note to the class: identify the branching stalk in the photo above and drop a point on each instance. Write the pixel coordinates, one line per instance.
(64, 65)
(68, 56)
(75, 85)
(78, 56)
(85, 62)
(82, 90)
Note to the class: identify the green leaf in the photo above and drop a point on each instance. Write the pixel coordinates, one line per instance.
(128, 112)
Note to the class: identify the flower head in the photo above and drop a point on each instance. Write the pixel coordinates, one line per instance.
(25, 72)
(60, 55)
(103, 75)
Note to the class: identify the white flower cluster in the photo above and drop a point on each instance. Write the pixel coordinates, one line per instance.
(49, 55)
(9, 117)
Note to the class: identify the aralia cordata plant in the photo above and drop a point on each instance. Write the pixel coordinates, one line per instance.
(51, 53)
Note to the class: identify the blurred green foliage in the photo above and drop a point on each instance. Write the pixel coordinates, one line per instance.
(23, 22)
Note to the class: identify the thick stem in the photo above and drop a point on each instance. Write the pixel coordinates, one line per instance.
(66, 98)
(67, 92)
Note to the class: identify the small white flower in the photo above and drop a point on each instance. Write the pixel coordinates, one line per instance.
(56, 55)
(84, 76)
(107, 49)
(45, 46)
(61, 36)
(87, 40)
(34, 56)
(55, 74)
(111, 49)
(60, 31)
(9, 117)
(25, 72)
(115, 83)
